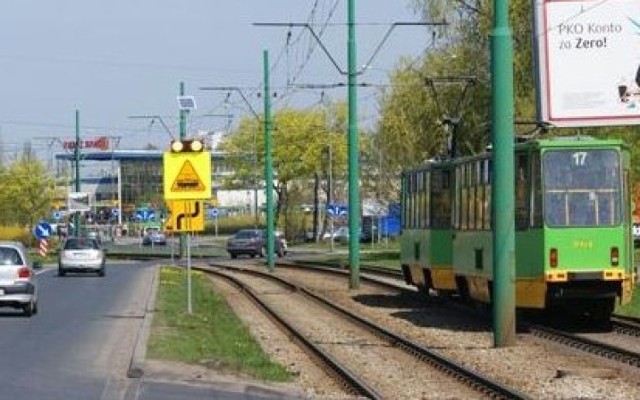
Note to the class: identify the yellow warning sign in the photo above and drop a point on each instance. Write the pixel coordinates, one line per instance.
(185, 216)
(187, 179)
(187, 176)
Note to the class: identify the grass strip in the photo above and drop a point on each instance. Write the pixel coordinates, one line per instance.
(212, 335)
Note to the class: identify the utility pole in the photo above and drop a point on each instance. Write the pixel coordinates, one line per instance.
(354, 153)
(268, 167)
(76, 216)
(183, 135)
(502, 137)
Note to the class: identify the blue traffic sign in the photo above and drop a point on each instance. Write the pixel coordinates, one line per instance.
(42, 230)
(146, 215)
(57, 215)
(336, 210)
(213, 212)
(115, 212)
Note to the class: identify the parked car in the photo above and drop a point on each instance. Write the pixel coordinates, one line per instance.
(341, 235)
(252, 242)
(154, 238)
(94, 235)
(636, 235)
(18, 287)
(81, 254)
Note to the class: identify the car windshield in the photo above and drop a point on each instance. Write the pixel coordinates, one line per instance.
(10, 256)
(245, 235)
(80, 244)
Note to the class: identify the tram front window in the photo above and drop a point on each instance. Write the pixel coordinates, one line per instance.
(582, 187)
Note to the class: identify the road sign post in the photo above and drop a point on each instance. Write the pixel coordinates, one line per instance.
(187, 181)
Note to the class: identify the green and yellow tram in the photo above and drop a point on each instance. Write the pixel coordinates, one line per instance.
(573, 242)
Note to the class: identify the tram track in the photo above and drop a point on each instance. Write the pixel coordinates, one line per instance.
(586, 345)
(626, 325)
(621, 325)
(395, 343)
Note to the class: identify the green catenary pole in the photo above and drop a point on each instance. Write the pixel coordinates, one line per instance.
(502, 137)
(268, 168)
(183, 135)
(354, 180)
(76, 153)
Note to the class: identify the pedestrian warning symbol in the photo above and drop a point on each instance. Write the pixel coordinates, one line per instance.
(187, 179)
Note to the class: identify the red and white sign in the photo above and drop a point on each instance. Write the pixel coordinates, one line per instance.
(43, 247)
(101, 143)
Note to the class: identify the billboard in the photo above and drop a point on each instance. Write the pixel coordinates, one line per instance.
(588, 62)
(79, 202)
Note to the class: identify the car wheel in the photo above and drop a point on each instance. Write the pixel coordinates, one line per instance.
(60, 271)
(102, 271)
(35, 307)
(233, 255)
(28, 309)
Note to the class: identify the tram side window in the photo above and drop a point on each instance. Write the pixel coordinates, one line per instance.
(425, 200)
(405, 201)
(413, 206)
(521, 186)
(536, 191)
(457, 198)
(420, 200)
(486, 182)
(464, 199)
(471, 179)
(440, 199)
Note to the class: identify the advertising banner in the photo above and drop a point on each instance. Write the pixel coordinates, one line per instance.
(79, 202)
(588, 62)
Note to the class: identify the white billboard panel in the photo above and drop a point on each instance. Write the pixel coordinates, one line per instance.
(588, 62)
(79, 201)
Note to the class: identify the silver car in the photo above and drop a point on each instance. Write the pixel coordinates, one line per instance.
(18, 287)
(81, 254)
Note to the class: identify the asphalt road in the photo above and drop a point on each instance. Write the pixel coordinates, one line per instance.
(81, 343)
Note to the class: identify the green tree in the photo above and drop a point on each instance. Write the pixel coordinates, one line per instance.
(412, 127)
(301, 140)
(27, 191)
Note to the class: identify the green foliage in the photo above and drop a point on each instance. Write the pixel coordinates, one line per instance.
(303, 141)
(411, 128)
(26, 192)
(212, 335)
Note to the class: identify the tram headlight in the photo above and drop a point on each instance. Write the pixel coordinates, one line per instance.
(614, 256)
(553, 258)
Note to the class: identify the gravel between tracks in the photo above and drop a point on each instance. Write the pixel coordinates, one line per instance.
(537, 368)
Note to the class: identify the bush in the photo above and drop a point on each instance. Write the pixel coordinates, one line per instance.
(229, 225)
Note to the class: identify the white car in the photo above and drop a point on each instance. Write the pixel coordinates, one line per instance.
(18, 287)
(81, 254)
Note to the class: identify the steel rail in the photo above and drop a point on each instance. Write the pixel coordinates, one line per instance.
(448, 366)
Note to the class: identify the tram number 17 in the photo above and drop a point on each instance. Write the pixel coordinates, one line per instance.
(579, 158)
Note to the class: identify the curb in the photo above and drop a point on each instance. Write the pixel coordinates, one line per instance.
(136, 364)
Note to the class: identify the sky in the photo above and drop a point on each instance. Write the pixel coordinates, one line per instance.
(116, 59)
